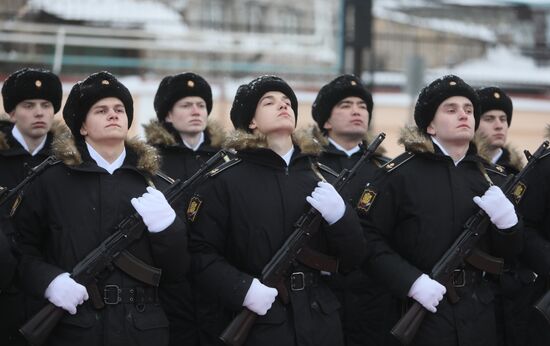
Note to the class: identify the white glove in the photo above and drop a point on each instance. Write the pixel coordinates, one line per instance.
(153, 207)
(66, 293)
(259, 297)
(328, 202)
(427, 292)
(498, 207)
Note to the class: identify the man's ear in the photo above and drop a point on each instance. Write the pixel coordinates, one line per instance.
(168, 117)
(252, 125)
(83, 130)
(430, 129)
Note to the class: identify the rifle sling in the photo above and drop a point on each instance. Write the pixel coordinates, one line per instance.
(222, 167)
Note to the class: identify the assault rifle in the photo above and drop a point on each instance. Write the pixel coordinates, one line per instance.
(6, 194)
(112, 252)
(277, 269)
(464, 246)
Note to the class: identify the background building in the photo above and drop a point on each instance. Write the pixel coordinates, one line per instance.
(395, 45)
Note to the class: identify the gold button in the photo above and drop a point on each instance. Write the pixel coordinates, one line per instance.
(353, 82)
(190, 83)
(497, 95)
(105, 82)
(38, 83)
(452, 82)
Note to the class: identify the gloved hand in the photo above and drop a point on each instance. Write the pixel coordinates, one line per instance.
(153, 207)
(498, 207)
(427, 292)
(328, 202)
(66, 293)
(259, 297)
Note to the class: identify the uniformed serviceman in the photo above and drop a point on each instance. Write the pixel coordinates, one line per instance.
(420, 207)
(242, 216)
(496, 118)
(73, 206)
(185, 140)
(31, 98)
(515, 287)
(343, 112)
(534, 207)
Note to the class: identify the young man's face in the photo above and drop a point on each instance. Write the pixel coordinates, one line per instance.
(494, 127)
(454, 121)
(188, 115)
(105, 122)
(33, 118)
(273, 114)
(349, 118)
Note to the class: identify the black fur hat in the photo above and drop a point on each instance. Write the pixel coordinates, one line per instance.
(338, 89)
(438, 91)
(27, 84)
(248, 95)
(495, 98)
(85, 93)
(173, 88)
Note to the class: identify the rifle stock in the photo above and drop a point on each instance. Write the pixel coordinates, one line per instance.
(543, 306)
(237, 331)
(405, 329)
(37, 329)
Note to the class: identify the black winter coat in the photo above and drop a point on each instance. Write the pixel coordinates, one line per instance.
(180, 162)
(535, 208)
(246, 214)
(67, 212)
(15, 164)
(419, 211)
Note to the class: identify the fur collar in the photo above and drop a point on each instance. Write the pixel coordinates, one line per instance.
(66, 150)
(483, 151)
(305, 139)
(158, 135)
(415, 141)
(4, 145)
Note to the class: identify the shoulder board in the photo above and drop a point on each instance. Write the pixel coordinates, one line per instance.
(326, 169)
(380, 160)
(398, 161)
(165, 177)
(227, 164)
(546, 153)
(497, 169)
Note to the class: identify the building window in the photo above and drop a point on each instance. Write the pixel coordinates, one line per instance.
(212, 14)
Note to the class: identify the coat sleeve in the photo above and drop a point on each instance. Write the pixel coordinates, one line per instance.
(379, 225)
(169, 249)
(35, 273)
(210, 230)
(7, 262)
(347, 241)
